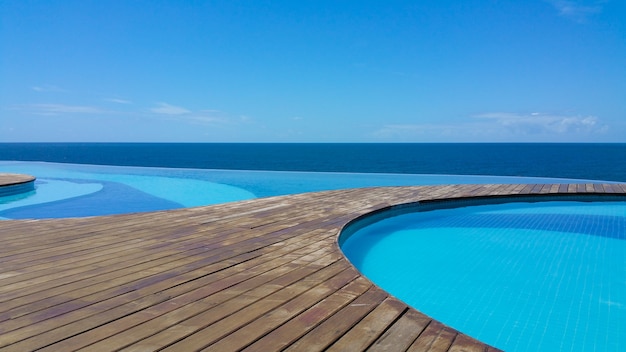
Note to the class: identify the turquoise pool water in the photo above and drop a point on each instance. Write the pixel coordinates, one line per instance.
(70, 190)
(547, 276)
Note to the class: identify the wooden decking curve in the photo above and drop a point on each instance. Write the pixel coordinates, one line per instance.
(14, 179)
(15, 184)
(258, 275)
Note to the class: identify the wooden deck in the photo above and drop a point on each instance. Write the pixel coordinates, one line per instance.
(12, 184)
(14, 179)
(259, 275)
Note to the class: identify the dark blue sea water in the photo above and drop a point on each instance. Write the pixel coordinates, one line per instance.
(581, 161)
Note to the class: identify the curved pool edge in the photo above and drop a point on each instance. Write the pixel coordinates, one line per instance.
(12, 184)
(451, 203)
(256, 273)
(528, 194)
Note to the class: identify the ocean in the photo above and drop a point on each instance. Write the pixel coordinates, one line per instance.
(581, 161)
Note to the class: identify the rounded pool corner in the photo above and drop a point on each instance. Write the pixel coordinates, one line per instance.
(16, 184)
(369, 218)
(552, 265)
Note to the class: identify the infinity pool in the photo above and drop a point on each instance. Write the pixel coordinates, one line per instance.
(546, 276)
(70, 190)
(542, 276)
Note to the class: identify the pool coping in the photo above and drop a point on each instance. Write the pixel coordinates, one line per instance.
(260, 274)
(12, 184)
(451, 203)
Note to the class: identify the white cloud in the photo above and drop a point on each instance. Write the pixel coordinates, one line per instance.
(161, 111)
(499, 126)
(578, 11)
(167, 109)
(202, 117)
(546, 124)
(118, 101)
(47, 88)
(57, 109)
(415, 130)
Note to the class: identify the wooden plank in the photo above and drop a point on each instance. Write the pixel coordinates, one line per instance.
(266, 257)
(527, 189)
(179, 298)
(554, 188)
(172, 334)
(270, 321)
(464, 343)
(9, 179)
(536, 188)
(402, 333)
(363, 334)
(205, 334)
(436, 337)
(341, 321)
(288, 333)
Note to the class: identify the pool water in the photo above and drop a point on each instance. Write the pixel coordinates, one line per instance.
(70, 190)
(548, 276)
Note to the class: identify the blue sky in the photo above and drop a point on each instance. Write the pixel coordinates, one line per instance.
(313, 71)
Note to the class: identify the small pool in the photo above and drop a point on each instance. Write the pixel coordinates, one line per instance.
(545, 276)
